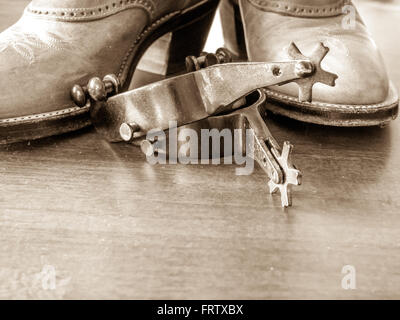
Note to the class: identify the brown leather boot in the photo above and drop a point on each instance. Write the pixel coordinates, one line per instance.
(57, 44)
(262, 30)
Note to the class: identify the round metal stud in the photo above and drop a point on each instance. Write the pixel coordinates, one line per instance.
(78, 95)
(114, 80)
(97, 89)
(192, 64)
(210, 59)
(147, 148)
(127, 131)
(224, 55)
(304, 68)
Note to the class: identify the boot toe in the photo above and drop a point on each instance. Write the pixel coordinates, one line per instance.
(363, 95)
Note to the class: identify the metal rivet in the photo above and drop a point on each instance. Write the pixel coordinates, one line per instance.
(78, 95)
(147, 148)
(97, 89)
(276, 71)
(127, 131)
(304, 68)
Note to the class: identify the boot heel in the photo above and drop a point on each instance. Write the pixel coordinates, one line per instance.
(166, 56)
(232, 27)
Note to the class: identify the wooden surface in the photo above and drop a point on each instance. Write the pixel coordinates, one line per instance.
(112, 226)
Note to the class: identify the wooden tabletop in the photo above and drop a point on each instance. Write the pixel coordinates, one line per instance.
(80, 218)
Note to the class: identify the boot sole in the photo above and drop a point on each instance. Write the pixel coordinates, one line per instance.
(333, 114)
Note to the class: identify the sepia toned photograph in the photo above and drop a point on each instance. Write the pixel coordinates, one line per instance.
(199, 150)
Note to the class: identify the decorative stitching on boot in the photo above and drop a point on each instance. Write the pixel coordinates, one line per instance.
(46, 115)
(297, 10)
(24, 42)
(87, 14)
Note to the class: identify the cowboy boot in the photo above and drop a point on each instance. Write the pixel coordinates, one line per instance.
(57, 44)
(262, 30)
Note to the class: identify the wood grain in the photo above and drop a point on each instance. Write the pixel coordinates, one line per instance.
(114, 226)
